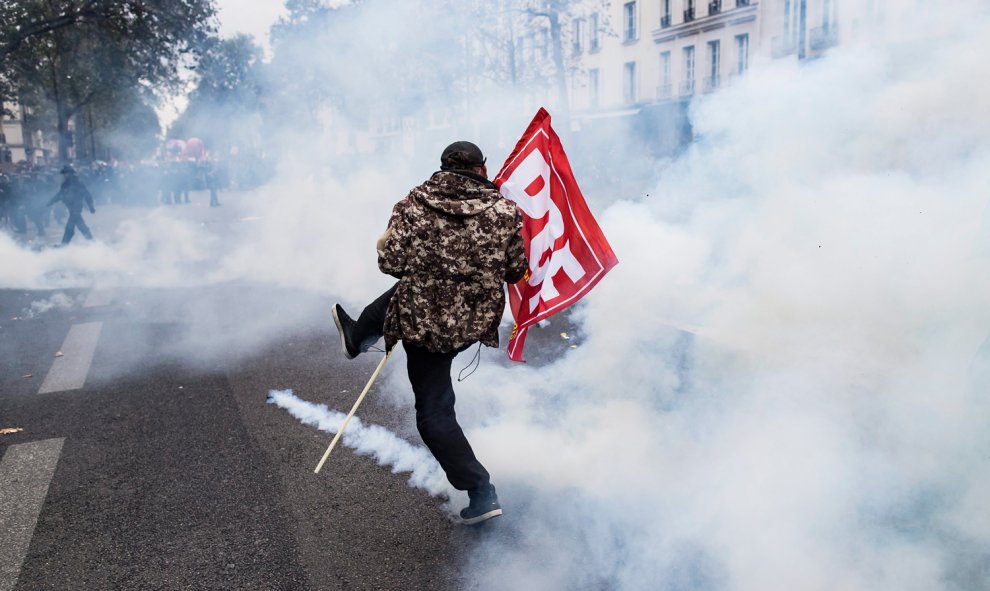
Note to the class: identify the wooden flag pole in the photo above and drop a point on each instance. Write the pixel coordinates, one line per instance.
(357, 403)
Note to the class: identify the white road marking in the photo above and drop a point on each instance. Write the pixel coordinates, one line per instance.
(25, 475)
(96, 298)
(69, 371)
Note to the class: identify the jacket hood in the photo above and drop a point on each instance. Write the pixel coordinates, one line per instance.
(457, 193)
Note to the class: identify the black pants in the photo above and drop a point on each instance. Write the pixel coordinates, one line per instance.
(429, 374)
(75, 220)
(370, 325)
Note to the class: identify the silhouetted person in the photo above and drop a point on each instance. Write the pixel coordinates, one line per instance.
(35, 202)
(212, 181)
(74, 195)
(16, 206)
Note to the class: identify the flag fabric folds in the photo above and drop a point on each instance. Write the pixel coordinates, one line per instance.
(568, 254)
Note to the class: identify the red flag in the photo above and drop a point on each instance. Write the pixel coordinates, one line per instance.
(568, 253)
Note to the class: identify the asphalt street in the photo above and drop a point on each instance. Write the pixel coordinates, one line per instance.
(139, 451)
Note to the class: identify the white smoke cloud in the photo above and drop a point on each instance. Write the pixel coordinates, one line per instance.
(57, 301)
(819, 423)
(370, 440)
(777, 388)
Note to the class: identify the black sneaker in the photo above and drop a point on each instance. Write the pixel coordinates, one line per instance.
(345, 327)
(484, 505)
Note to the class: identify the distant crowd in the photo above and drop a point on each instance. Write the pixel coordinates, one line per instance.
(26, 191)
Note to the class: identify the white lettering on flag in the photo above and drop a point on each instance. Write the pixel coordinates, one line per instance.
(561, 260)
(567, 251)
(533, 177)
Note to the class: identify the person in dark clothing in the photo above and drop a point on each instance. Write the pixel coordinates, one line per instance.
(35, 203)
(211, 180)
(12, 204)
(452, 243)
(74, 195)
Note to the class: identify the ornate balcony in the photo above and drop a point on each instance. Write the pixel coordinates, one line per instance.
(687, 87)
(665, 21)
(714, 7)
(664, 92)
(689, 14)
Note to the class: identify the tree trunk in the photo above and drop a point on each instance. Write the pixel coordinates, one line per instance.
(92, 138)
(62, 112)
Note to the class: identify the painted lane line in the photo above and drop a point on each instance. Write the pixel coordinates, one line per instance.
(69, 371)
(25, 474)
(97, 298)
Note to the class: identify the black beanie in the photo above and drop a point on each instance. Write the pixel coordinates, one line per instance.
(461, 156)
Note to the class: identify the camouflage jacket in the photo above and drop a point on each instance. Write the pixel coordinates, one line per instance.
(452, 242)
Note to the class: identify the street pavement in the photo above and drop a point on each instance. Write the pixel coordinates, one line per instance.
(139, 451)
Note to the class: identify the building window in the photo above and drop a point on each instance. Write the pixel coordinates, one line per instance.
(688, 11)
(742, 53)
(787, 19)
(664, 90)
(712, 80)
(629, 28)
(629, 83)
(828, 18)
(577, 43)
(687, 87)
(594, 84)
(665, 14)
(593, 32)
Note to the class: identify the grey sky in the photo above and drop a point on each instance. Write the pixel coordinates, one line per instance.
(249, 16)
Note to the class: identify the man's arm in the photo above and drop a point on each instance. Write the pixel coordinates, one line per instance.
(516, 264)
(88, 196)
(392, 250)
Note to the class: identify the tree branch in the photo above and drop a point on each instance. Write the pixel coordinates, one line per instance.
(90, 9)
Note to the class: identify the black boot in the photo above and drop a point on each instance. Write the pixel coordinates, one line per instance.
(345, 327)
(483, 506)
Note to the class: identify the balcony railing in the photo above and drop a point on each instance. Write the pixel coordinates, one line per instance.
(665, 21)
(742, 3)
(664, 92)
(711, 83)
(687, 87)
(782, 46)
(824, 37)
(689, 14)
(714, 7)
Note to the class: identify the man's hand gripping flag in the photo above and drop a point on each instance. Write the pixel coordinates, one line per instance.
(567, 252)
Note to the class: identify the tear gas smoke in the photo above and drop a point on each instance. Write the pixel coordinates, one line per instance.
(58, 301)
(371, 440)
(780, 385)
